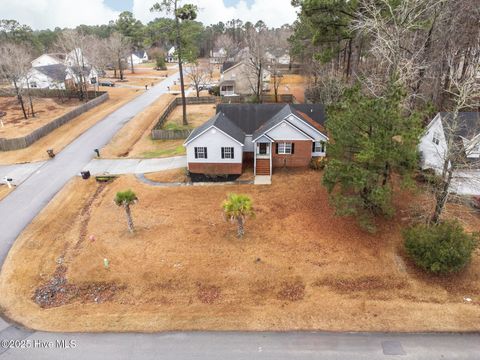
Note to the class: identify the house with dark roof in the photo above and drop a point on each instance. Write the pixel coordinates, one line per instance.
(465, 130)
(138, 57)
(55, 76)
(268, 135)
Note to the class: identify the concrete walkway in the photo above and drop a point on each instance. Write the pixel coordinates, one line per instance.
(134, 166)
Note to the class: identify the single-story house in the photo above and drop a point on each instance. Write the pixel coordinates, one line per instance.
(239, 79)
(433, 148)
(268, 135)
(138, 57)
(55, 76)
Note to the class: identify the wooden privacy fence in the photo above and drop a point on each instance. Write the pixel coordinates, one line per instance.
(53, 93)
(159, 134)
(26, 141)
(170, 134)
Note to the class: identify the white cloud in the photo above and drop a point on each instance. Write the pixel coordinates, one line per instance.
(42, 14)
(272, 12)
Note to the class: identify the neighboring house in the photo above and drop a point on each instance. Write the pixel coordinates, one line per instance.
(55, 76)
(239, 79)
(219, 56)
(269, 135)
(59, 71)
(138, 57)
(278, 56)
(171, 55)
(434, 145)
(49, 59)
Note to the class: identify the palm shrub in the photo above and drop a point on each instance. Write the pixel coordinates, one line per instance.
(237, 208)
(126, 199)
(440, 248)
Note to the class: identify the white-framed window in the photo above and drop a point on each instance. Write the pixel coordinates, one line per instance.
(284, 148)
(200, 153)
(436, 137)
(262, 149)
(227, 153)
(318, 147)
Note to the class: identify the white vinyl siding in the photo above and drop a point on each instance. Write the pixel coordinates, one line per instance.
(213, 139)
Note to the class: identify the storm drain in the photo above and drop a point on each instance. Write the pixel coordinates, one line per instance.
(391, 347)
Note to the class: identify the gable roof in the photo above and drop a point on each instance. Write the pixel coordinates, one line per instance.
(221, 122)
(56, 72)
(140, 54)
(468, 123)
(250, 117)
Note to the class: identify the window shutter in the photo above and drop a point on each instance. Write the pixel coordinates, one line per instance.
(313, 146)
(196, 153)
(276, 148)
(205, 150)
(293, 148)
(233, 156)
(223, 153)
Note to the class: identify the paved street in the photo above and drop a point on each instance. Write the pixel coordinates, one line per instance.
(40, 184)
(253, 345)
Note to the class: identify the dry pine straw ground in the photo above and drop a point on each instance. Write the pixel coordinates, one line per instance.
(298, 267)
(46, 110)
(64, 135)
(196, 115)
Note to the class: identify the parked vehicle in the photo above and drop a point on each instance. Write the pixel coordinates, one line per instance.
(106, 83)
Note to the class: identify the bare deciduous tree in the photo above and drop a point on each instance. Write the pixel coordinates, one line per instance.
(14, 67)
(199, 76)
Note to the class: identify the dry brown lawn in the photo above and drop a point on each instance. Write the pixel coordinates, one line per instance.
(298, 267)
(65, 134)
(292, 84)
(125, 141)
(196, 115)
(46, 110)
(168, 176)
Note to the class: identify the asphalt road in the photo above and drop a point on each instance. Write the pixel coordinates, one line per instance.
(22, 205)
(19, 208)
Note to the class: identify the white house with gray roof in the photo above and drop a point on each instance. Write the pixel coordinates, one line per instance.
(433, 147)
(268, 136)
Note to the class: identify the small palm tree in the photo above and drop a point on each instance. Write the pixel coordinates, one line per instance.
(125, 199)
(237, 208)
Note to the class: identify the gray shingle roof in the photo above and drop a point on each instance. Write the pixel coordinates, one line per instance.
(468, 123)
(56, 72)
(223, 123)
(250, 117)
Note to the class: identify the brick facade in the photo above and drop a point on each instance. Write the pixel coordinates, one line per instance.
(300, 158)
(215, 168)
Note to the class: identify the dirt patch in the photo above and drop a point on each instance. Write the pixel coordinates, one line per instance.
(65, 134)
(58, 292)
(292, 291)
(298, 267)
(208, 294)
(362, 283)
